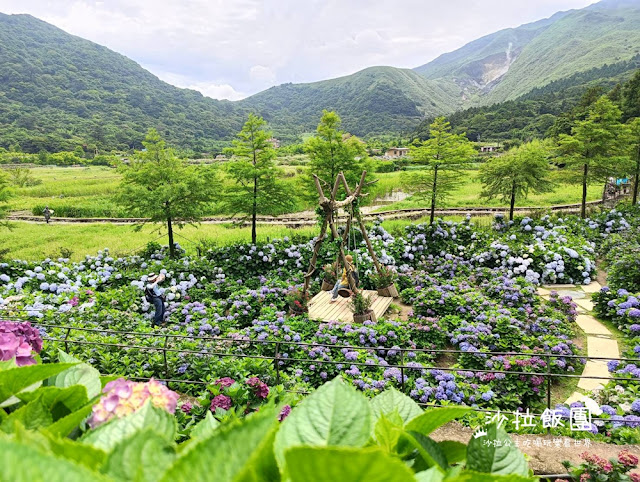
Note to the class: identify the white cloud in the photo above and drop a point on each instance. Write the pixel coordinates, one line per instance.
(215, 91)
(230, 48)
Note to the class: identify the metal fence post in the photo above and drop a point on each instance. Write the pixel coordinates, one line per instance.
(276, 362)
(66, 344)
(164, 353)
(548, 388)
(402, 370)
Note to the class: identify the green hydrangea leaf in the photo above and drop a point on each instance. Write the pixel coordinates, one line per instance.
(15, 380)
(143, 457)
(333, 415)
(238, 452)
(392, 400)
(80, 374)
(435, 417)
(110, 434)
(21, 463)
(490, 454)
(330, 464)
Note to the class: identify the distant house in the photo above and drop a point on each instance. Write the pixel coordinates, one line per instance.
(220, 158)
(274, 142)
(395, 152)
(489, 148)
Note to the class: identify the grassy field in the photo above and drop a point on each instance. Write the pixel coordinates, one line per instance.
(88, 192)
(468, 194)
(35, 241)
(38, 240)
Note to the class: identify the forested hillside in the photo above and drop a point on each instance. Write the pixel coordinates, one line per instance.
(377, 100)
(59, 91)
(511, 62)
(533, 114)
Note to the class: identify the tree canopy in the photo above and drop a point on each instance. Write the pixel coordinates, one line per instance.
(159, 186)
(255, 188)
(442, 156)
(521, 170)
(596, 147)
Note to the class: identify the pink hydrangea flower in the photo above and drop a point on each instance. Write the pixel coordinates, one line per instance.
(123, 397)
(225, 382)
(221, 401)
(261, 389)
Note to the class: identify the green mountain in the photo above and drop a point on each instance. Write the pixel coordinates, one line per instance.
(533, 114)
(377, 100)
(58, 91)
(509, 63)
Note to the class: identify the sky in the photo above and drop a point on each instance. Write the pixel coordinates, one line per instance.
(230, 49)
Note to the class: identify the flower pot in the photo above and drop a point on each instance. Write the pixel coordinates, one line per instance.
(389, 292)
(369, 315)
(326, 286)
(296, 311)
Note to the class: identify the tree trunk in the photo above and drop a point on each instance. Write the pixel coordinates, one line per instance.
(433, 194)
(254, 211)
(513, 201)
(172, 248)
(637, 178)
(583, 210)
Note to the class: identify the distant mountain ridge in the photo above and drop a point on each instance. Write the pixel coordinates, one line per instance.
(58, 91)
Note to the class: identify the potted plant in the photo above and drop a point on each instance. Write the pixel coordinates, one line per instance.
(383, 281)
(329, 276)
(360, 305)
(298, 301)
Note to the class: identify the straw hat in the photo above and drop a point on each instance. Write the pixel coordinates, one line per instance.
(152, 277)
(349, 258)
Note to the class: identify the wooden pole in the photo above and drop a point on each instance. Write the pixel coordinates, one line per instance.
(363, 228)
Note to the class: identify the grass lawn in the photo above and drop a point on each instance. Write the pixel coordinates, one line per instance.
(33, 241)
(88, 192)
(38, 240)
(468, 194)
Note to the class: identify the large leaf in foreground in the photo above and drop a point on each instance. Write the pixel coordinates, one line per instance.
(392, 400)
(110, 434)
(495, 457)
(61, 447)
(238, 452)
(330, 464)
(144, 457)
(79, 374)
(334, 415)
(14, 380)
(435, 417)
(21, 463)
(65, 425)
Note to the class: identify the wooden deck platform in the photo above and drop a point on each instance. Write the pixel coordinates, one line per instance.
(321, 309)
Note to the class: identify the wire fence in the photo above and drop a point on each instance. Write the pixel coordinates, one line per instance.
(220, 348)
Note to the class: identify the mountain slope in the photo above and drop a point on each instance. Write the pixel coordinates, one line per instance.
(376, 100)
(58, 91)
(509, 63)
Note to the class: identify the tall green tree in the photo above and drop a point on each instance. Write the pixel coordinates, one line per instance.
(332, 151)
(442, 157)
(255, 186)
(514, 175)
(634, 144)
(159, 186)
(595, 150)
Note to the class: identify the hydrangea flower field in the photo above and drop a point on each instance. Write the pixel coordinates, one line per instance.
(478, 333)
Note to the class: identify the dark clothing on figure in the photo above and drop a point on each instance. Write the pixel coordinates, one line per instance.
(158, 304)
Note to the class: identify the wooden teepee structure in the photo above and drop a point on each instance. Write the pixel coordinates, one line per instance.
(330, 209)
